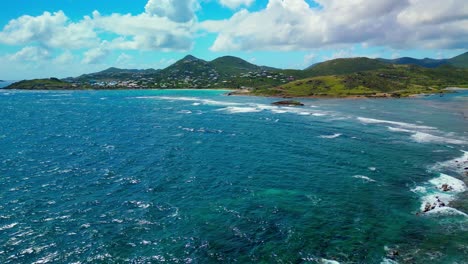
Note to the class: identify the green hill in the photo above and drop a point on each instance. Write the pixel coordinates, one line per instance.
(116, 74)
(42, 84)
(233, 65)
(396, 81)
(460, 61)
(344, 66)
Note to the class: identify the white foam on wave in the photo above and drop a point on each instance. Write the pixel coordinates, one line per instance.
(456, 184)
(364, 178)
(5, 227)
(235, 110)
(328, 261)
(400, 124)
(331, 136)
(434, 196)
(457, 164)
(447, 211)
(184, 112)
(388, 261)
(197, 100)
(422, 137)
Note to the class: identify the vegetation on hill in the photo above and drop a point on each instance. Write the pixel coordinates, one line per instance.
(344, 66)
(394, 81)
(42, 84)
(460, 61)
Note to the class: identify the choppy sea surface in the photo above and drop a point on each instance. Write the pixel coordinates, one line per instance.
(181, 176)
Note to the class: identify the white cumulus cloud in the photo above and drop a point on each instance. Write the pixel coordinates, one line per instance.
(233, 4)
(32, 54)
(53, 30)
(294, 25)
(175, 10)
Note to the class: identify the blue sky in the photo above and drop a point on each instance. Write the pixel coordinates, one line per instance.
(50, 38)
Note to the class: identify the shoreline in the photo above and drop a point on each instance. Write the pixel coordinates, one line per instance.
(376, 96)
(247, 92)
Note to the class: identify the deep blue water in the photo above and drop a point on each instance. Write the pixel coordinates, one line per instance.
(198, 177)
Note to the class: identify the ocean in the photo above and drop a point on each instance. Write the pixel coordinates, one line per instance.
(194, 176)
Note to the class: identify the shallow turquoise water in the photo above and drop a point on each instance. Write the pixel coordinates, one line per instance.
(199, 177)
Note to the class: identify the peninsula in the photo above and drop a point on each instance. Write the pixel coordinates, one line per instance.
(347, 77)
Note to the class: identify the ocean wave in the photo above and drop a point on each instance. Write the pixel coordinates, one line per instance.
(236, 110)
(5, 227)
(400, 124)
(364, 178)
(422, 137)
(456, 184)
(438, 193)
(456, 165)
(328, 261)
(331, 136)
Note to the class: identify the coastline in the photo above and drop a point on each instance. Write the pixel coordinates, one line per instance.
(375, 96)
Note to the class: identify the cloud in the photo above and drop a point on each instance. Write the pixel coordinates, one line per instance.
(309, 58)
(32, 54)
(64, 58)
(53, 30)
(166, 25)
(96, 55)
(233, 4)
(176, 10)
(145, 32)
(294, 25)
(124, 58)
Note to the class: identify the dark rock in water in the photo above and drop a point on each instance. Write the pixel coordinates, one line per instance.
(446, 188)
(392, 254)
(288, 103)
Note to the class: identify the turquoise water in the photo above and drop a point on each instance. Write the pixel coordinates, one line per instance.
(199, 177)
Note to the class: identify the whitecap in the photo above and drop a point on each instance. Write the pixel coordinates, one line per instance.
(456, 184)
(422, 137)
(5, 227)
(235, 110)
(446, 211)
(363, 178)
(419, 189)
(184, 112)
(328, 261)
(456, 164)
(388, 261)
(400, 124)
(331, 136)
(428, 138)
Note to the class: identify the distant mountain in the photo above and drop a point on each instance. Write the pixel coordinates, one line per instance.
(344, 66)
(426, 62)
(460, 61)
